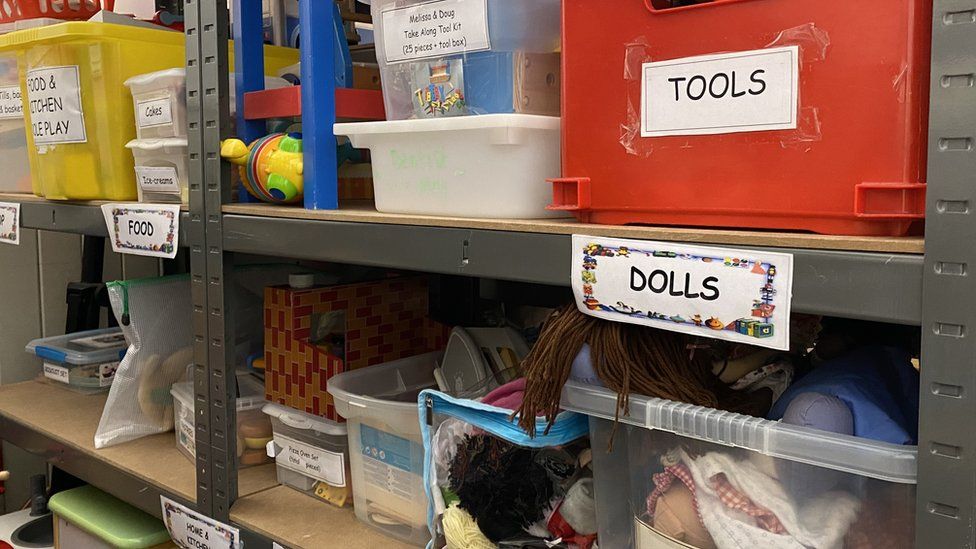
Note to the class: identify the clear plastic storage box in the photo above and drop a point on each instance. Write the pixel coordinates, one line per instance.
(459, 57)
(492, 166)
(311, 453)
(681, 475)
(253, 427)
(385, 447)
(83, 361)
(13, 133)
(161, 168)
(159, 103)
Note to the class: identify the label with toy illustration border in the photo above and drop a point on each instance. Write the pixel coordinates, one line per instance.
(719, 293)
(143, 229)
(10, 223)
(190, 529)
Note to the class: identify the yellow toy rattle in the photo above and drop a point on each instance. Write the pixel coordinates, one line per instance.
(271, 167)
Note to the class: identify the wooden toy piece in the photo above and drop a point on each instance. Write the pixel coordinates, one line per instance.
(271, 167)
(253, 457)
(157, 379)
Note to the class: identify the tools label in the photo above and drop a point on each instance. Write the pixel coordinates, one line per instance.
(54, 102)
(55, 372)
(192, 530)
(748, 91)
(736, 295)
(154, 112)
(158, 179)
(435, 29)
(10, 223)
(11, 106)
(143, 229)
(318, 463)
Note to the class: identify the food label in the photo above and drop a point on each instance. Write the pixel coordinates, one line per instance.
(748, 91)
(737, 295)
(155, 179)
(55, 372)
(10, 223)
(318, 463)
(54, 100)
(11, 106)
(154, 112)
(143, 229)
(192, 530)
(435, 29)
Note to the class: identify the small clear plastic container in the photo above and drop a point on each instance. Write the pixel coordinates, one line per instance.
(253, 427)
(162, 169)
(759, 482)
(83, 361)
(311, 453)
(385, 446)
(159, 100)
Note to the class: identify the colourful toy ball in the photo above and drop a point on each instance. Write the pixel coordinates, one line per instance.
(271, 167)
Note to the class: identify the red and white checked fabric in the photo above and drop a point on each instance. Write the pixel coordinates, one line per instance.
(727, 494)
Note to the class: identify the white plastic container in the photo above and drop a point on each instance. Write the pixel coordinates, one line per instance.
(159, 100)
(83, 361)
(492, 166)
(311, 453)
(852, 491)
(162, 169)
(250, 421)
(385, 447)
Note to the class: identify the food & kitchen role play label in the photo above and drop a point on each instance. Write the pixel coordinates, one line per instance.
(54, 101)
(746, 91)
(435, 29)
(738, 295)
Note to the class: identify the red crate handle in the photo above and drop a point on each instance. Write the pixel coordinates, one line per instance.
(709, 4)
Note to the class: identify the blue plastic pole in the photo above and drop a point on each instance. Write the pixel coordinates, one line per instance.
(318, 103)
(248, 68)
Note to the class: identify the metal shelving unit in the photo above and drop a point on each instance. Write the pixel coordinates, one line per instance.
(934, 290)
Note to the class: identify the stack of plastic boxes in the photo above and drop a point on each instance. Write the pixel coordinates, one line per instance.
(160, 148)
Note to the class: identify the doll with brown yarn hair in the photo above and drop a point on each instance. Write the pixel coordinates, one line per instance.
(626, 357)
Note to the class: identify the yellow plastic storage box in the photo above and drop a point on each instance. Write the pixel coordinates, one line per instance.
(78, 111)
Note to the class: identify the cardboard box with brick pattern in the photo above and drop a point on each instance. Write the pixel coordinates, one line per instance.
(313, 334)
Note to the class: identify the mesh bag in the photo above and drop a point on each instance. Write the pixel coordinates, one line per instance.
(155, 316)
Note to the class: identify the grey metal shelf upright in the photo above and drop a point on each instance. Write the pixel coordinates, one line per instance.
(938, 294)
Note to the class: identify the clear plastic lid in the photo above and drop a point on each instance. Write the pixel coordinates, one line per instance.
(169, 145)
(250, 392)
(860, 456)
(93, 346)
(297, 419)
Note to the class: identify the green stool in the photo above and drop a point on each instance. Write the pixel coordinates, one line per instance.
(89, 518)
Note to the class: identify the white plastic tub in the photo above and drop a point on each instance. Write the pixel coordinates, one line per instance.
(311, 454)
(385, 447)
(854, 492)
(159, 100)
(492, 166)
(162, 169)
(253, 427)
(83, 361)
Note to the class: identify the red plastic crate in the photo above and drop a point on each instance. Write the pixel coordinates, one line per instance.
(854, 164)
(17, 10)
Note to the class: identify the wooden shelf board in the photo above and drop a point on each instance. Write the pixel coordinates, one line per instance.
(71, 418)
(297, 520)
(364, 212)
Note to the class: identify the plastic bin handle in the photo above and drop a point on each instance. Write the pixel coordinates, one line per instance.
(50, 354)
(705, 4)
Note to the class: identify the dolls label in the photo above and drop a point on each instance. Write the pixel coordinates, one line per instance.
(54, 102)
(154, 112)
(10, 223)
(736, 295)
(318, 463)
(192, 530)
(11, 106)
(435, 29)
(143, 229)
(749, 91)
(56, 372)
(158, 179)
